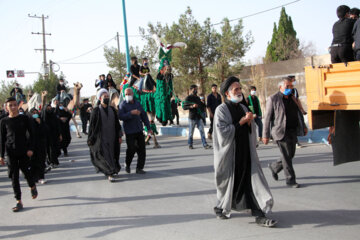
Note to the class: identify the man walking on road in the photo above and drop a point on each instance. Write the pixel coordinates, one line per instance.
(240, 182)
(85, 110)
(133, 116)
(14, 130)
(213, 101)
(282, 109)
(104, 137)
(194, 105)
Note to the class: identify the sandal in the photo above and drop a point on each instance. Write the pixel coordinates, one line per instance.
(111, 179)
(265, 222)
(34, 192)
(18, 207)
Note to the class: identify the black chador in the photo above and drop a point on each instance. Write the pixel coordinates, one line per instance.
(64, 117)
(53, 125)
(40, 136)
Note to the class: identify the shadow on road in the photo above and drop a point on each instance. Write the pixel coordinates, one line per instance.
(111, 225)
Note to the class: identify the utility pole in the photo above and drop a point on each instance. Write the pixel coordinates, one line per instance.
(118, 41)
(44, 49)
(126, 38)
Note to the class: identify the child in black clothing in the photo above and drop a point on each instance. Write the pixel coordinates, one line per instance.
(19, 148)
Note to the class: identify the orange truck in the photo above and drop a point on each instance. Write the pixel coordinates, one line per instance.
(333, 100)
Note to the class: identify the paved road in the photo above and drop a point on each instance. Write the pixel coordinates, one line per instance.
(174, 200)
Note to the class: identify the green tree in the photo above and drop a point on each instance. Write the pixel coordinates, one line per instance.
(231, 49)
(6, 87)
(210, 55)
(117, 62)
(283, 45)
(49, 84)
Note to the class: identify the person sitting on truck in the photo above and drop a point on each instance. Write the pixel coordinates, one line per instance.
(354, 13)
(15, 90)
(356, 36)
(341, 47)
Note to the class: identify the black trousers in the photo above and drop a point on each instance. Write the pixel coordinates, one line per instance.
(84, 121)
(15, 164)
(37, 164)
(135, 144)
(342, 54)
(175, 114)
(287, 148)
(357, 55)
(53, 150)
(211, 125)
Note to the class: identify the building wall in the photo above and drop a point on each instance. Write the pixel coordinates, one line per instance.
(267, 76)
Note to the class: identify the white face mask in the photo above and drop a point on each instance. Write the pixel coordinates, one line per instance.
(236, 99)
(252, 92)
(294, 83)
(128, 98)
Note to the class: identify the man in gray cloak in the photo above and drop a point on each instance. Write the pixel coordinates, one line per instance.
(104, 137)
(240, 182)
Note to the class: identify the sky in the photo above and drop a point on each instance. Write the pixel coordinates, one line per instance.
(78, 26)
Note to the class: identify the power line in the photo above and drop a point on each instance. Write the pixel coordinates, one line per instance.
(85, 63)
(81, 55)
(257, 13)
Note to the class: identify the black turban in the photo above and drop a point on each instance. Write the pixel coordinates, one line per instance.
(227, 83)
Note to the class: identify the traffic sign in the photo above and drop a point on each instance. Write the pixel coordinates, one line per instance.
(20, 73)
(10, 74)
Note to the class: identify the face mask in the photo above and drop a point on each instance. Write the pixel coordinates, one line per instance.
(61, 83)
(128, 98)
(253, 92)
(35, 116)
(145, 64)
(195, 92)
(106, 101)
(201, 98)
(287, 92)
(294, 83)
(61, 108)
(21, 113)
(236, 99)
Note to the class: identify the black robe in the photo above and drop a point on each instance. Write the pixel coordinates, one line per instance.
(243, 196)
(94, 142)
(53, 125)
(64, 127)
(40, 136)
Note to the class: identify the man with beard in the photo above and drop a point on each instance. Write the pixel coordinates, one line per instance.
(52, 123)
(64, 116)
(104, 137)
(240, 182)
(40, 134)
(16, 140)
